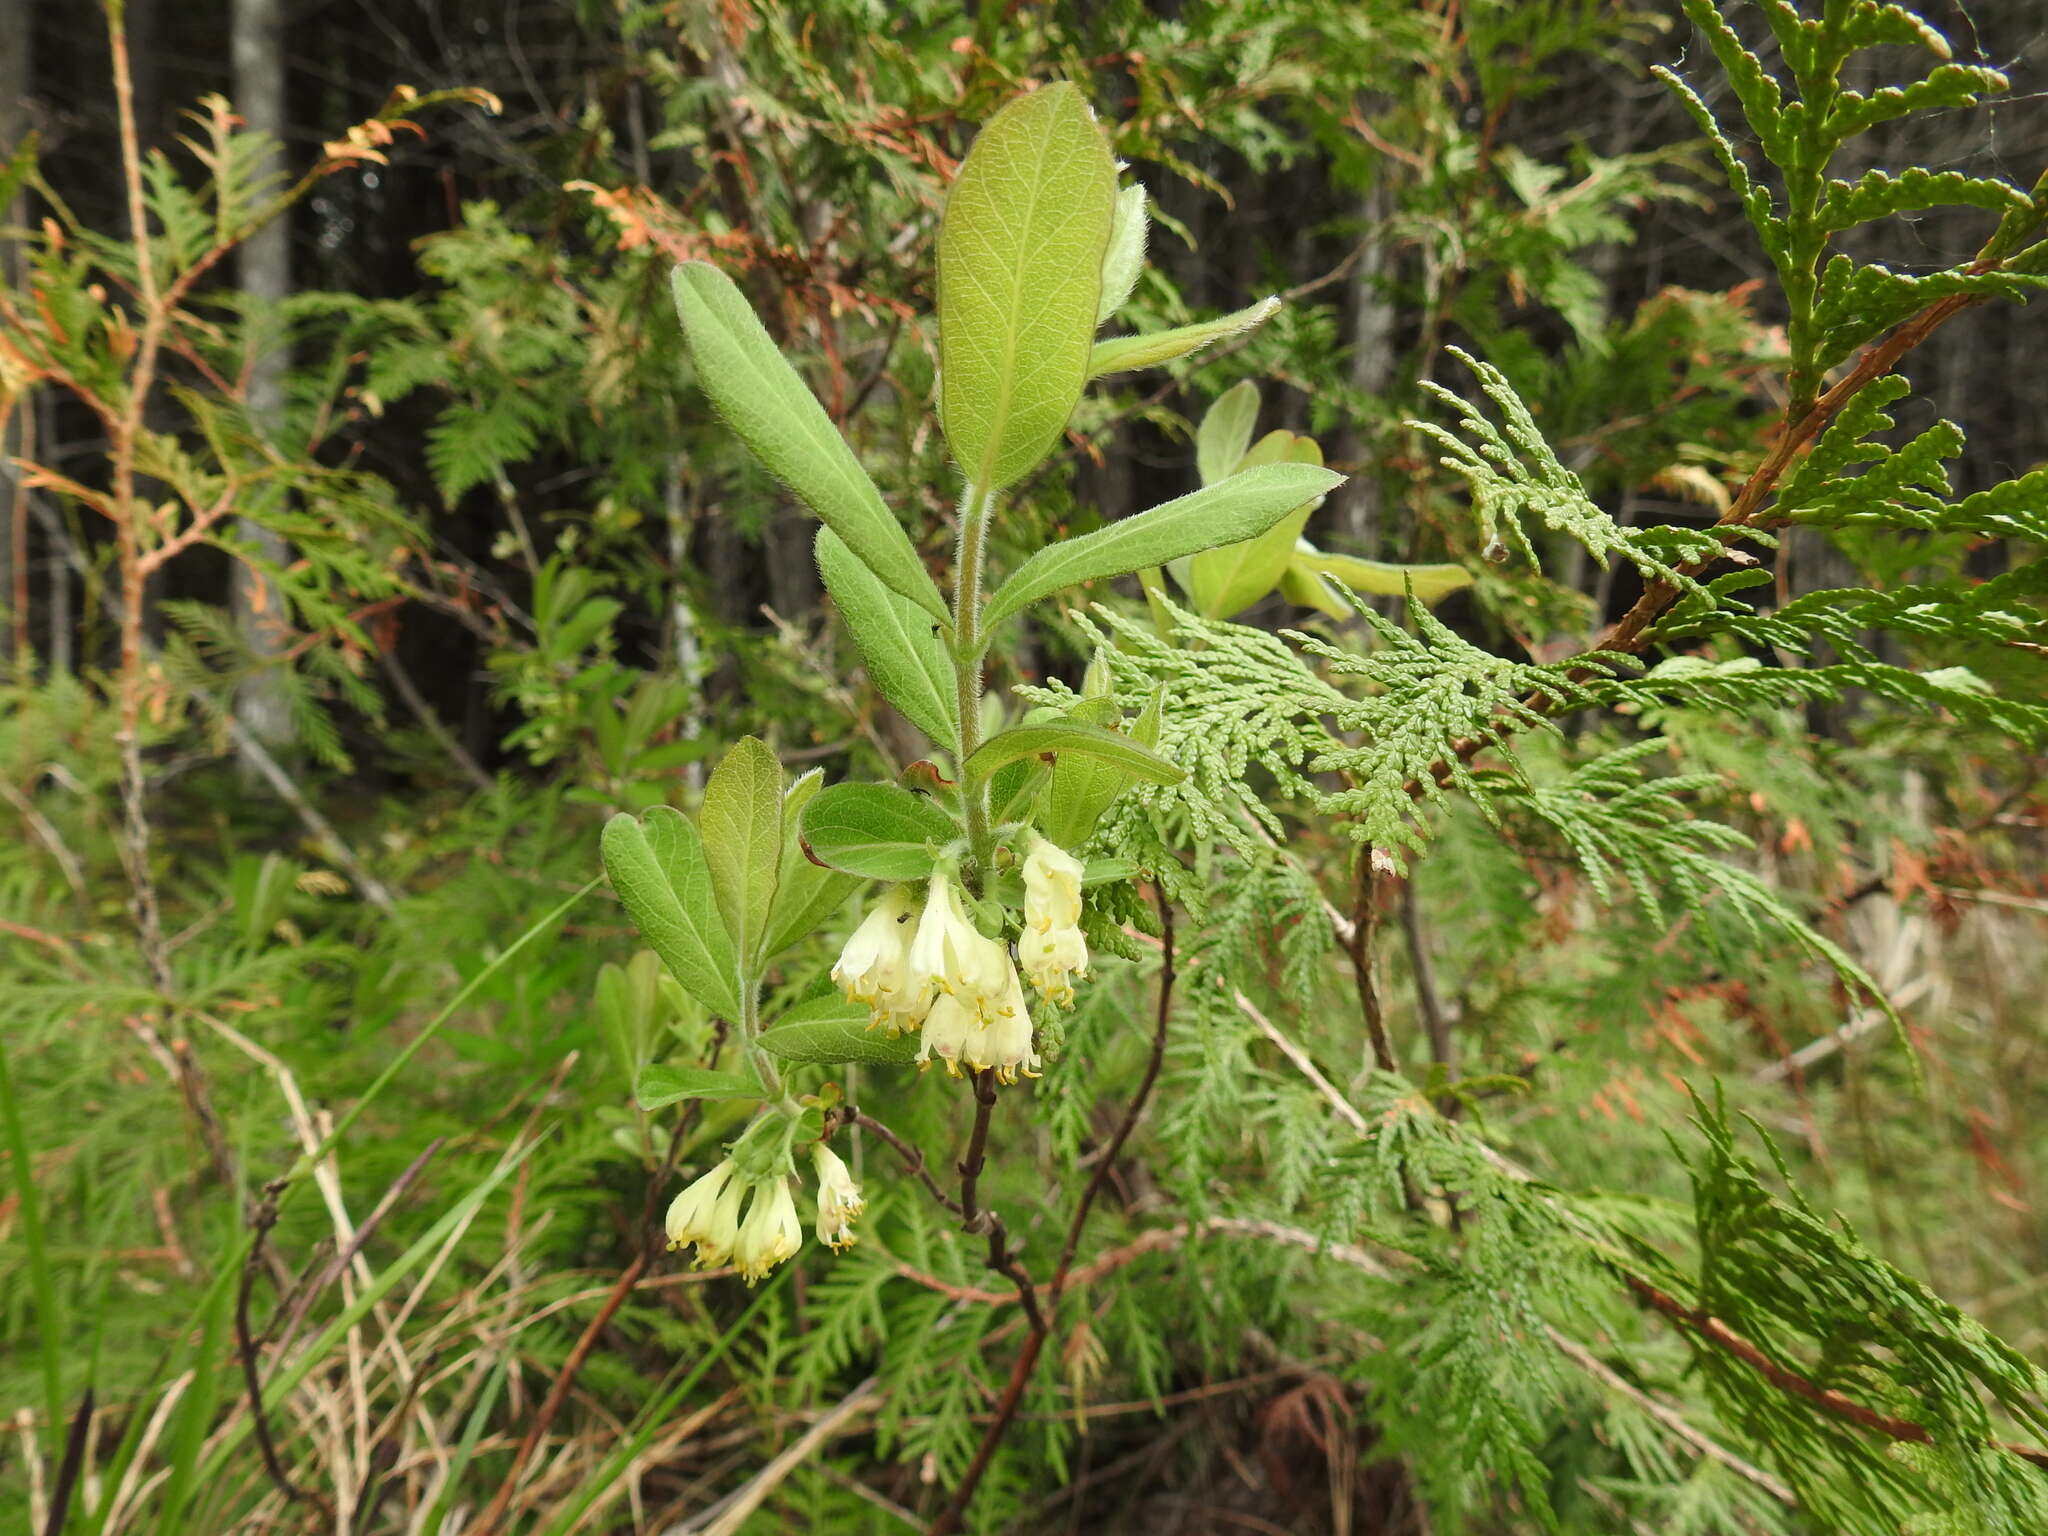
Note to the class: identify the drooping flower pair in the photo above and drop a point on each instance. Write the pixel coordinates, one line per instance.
(961, 987)
(707, 1214)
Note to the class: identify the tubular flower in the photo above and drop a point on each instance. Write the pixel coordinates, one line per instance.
(771, 1232)
(1052, 886)
(950, 1031)
(952, 953)
(874, 968)
(839, 1198)
(1006, 1044)
(1052, 957)
(708, 1214)
(1052, 947)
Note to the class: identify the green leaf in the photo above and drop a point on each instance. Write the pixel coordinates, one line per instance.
(1241, 507)
(831, 1030)
(1067, 736)
(1080, 788)
(1303, 584)
(1226, 432)
(742, 825)
(1124, 257)
(907, 661)
(1020, 277)
(657, 866)
(1225, 581)
(875, 830)
(1121, 354)
(659, 1087)
(805, 895)
(764, 401)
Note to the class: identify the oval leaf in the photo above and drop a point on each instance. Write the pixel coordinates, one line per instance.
(659, 1087)
(1226, 432)
(829, 1031)
(659, 870)
(876, 830)
(907, 661)
(742, 825)
(764, 401)
(1020, 277)
(1066, 736)
(1241, 507)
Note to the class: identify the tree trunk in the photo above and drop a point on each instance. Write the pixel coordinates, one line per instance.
(265, 270)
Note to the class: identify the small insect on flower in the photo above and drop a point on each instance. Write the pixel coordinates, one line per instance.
(707, 1213)
(840, 1201)
(874, 967)
(1052, 947)
(771, 1232)
(953, 954)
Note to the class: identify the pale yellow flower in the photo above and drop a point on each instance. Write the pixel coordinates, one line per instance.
(1052, 947)
(840, 1201)
(1052, 886)
(950, 1029)
(708, 1215)
(874, 967)
(771, 1232)
(951, 952)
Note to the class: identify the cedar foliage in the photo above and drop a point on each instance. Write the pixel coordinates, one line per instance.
(1582, 1255)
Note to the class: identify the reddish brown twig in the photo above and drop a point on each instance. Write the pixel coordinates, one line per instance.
(1705, 1326)
(557, 1395)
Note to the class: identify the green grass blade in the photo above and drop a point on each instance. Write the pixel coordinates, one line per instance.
(49, 1329)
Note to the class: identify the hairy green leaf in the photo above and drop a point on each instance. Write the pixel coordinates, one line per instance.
(764, 401)
(1066, 736)
(829, 1031)
(877, 830)
(805, 895)
(1122, 354)
(658, 867)
(1226, 432)
(1303, 582)
(742, 825)
(1124, 257)
(1241, 507)
(904, 655)
(1221, 582)
(658, 1086)
(1020, 278)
